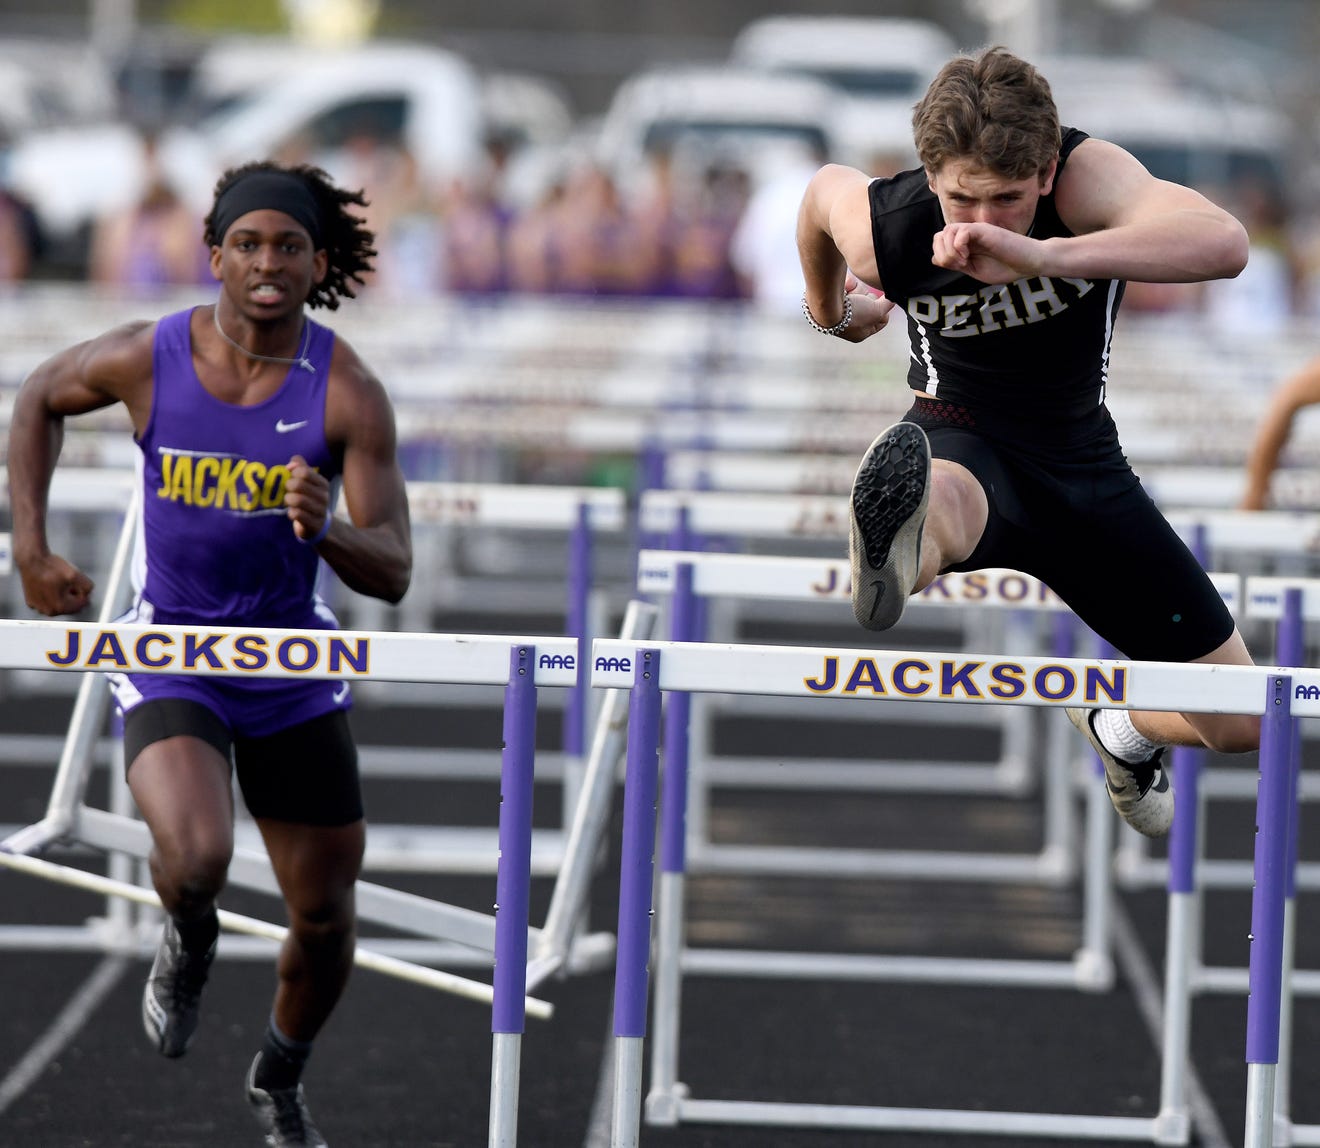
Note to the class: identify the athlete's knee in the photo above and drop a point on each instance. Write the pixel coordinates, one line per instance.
(1234, 733)
(322, 915)
(194, 865)
(958, 510)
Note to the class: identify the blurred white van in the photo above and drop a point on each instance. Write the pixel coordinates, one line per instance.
(422, 98)
(880, 67)
(1194, 136)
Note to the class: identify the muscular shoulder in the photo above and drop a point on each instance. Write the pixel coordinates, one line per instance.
(116, 363)
(125, 348)
(357, 405)
(1096, 185)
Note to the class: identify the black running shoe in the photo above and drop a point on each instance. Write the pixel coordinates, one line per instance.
(887, 513)
(172, 998)
(1140, 791)
(283, 1114)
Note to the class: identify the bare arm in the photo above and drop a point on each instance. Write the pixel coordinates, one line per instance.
(372, 552)
(1301, 390)
(114, 367)
(1126, 223)
(833, 237)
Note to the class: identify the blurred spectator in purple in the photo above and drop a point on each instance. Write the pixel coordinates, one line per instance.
(533, 245)
(154, 243)
(604, 248)
(476, 224)
(702, 232)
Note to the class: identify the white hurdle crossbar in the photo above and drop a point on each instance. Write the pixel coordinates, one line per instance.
(685, 517)
(688, 575)
(1280, 696)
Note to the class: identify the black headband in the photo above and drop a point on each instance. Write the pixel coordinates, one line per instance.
(268, 191)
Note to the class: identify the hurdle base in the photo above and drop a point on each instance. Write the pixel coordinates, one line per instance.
(971, 1122)
(663, 1105)
(33, 840)
(1094, 969)
(1173, 1127)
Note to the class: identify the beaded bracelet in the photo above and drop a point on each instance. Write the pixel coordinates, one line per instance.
(839, 327)
(319, 537)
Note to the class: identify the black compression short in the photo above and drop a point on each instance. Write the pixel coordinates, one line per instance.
(306, 774)
(1086, 528)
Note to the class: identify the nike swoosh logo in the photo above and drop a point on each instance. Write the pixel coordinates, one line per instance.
(284, 428)
(340, 695)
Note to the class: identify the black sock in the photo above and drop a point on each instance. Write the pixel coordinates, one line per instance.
(197, 936)
(282, 1060)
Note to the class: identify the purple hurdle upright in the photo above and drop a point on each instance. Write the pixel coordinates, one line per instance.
(641, 778)
(660, 1108)
(1289, 650)
(512, 893)
(1265, 967)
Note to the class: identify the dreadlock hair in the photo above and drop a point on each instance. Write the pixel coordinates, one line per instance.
(348, 243)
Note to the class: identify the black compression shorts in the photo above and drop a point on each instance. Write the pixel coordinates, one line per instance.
(306, 774)
(1086, 528)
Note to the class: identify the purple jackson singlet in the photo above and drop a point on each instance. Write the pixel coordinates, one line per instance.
(215, 544)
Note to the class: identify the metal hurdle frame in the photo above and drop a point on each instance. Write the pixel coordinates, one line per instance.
(1290, 603)
(688, 516)
(519, 665)
(580, 512)
(562, 946)
(687, 577)
(1280, 696)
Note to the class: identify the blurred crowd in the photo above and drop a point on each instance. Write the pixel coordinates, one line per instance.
(714, 229)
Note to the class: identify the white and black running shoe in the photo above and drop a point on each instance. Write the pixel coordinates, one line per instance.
(171, 1001)
(282, 1113)
(1140, 791)
(887, 511)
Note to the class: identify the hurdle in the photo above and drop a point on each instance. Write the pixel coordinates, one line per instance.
(563, 945)
(688, 576)
(582, 515)
(519, 666)
(1279, 696)
(689, 516)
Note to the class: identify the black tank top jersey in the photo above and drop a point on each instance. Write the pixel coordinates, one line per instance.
(1035, 351)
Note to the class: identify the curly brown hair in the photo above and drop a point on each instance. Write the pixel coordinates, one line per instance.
(991, 108)
(348, 243)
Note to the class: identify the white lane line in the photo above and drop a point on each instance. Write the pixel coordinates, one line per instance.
(600, 1124)
(63, 1029)
(1147, 989)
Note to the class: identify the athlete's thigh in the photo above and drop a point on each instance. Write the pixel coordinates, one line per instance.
(1129, 576)
(306, 774)
(177, 755)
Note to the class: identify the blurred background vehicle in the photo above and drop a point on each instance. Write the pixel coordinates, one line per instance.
(880, 67)
(343, 109)
(489, 136)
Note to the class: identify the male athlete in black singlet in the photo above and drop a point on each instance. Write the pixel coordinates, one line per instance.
(1008, 250)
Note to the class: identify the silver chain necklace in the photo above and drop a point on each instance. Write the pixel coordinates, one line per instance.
(300, 358)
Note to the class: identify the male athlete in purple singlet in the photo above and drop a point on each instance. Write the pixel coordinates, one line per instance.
(250, 418)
